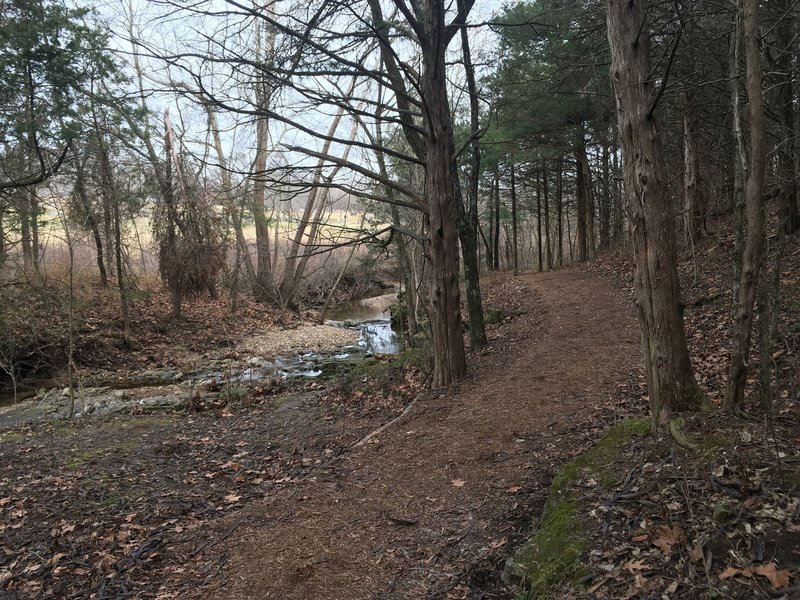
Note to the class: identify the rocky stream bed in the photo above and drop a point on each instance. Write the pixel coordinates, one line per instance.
(305, 351)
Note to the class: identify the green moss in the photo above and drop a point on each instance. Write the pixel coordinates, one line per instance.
(553, 555)
(605, 451)
(371, 374)
(279, 401)
(11, 436)
(492, 315)
(81, 458)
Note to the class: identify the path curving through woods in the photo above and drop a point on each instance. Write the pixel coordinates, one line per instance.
(435, 503)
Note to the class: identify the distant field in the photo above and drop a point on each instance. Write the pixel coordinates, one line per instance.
(138, 239)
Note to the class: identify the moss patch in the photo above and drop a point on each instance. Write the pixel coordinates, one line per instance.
(552, 555)
(79, 459)
(11, 436)
(371, 374)
(493, 315)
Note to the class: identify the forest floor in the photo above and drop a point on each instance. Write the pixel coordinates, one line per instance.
(275, 498)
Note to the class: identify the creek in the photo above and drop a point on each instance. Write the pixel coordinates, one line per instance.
(169, 388)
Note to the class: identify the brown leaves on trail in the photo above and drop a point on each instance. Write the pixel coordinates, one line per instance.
(458, 483)
(119, 524)
(636, 565)
(778, 578)
(669, 536)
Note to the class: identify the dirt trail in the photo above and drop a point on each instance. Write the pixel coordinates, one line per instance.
(432, 508)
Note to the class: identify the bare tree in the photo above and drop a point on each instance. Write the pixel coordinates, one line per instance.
(670, 379)
(754, 211)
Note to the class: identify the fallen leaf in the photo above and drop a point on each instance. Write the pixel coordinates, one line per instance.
(636, 565)
(458, 483)
(514, 489)
(729, 572)
(640, 538)
(778, 578)
(696, 554)
(231, 498)
(67, 528)
(669, 536)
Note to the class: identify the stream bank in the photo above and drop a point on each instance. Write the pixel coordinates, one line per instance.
(269, 359)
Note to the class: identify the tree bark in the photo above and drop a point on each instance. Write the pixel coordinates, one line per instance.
(264, 284)
(468, 212)
(3, 253)
(24, 213)
(691, 175)
(560, 210)
(619, 208)
(754, 211)
(546, 216)
(580, 203)
(496, 229)
(605, 199)
(111, 198)
(80, 189)
(514, 249)
(670, 379)
(449, 359)
(586, 236)
(785, 43)
(539, 245)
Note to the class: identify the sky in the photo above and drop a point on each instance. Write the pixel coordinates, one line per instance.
(165, 30)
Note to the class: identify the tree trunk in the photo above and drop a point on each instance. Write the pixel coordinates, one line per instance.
(754, 211)
(580, 204)
(108, 233)
(605, 199)
(3, 253)
(785, 43)
(619, 208)
(546, 217)
(496, 231)
(80, 189)
(570, 243)
(560, 210)
(740, 158)
(291, 273)
(586, 237)
(670, 379)
(24, 213)
(468, 213)
(539, 245)
(264, 285)
(691, 170)
(449, 359)
(34, 221)
(111, 198)
(514, 250)
(230, 200)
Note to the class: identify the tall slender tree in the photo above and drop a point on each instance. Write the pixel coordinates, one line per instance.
(670, 378)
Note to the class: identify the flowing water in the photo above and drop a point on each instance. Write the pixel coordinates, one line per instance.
(370, 317)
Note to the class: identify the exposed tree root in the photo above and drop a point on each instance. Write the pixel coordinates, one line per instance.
(676, 431)
(742, 414)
